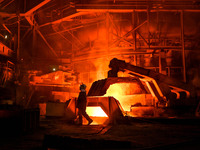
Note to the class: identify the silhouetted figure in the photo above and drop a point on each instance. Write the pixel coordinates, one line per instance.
(81, 105)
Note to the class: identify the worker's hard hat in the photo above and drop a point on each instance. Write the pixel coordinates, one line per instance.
(83, 86)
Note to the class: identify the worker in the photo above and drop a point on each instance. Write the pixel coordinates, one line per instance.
(81, 105)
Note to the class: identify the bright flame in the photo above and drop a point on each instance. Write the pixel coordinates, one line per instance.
(119, 89)
(127, 94)
(96, 111)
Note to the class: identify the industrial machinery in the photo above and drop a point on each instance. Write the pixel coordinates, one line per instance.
(142, 93)
(161, 86)
(145, 93)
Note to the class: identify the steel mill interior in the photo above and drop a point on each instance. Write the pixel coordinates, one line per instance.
(136, 62)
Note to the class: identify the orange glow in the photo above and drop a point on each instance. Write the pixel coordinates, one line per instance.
(96, 120)
(96, 114)
(101, 68)
(142, 111)
(127, 94)
(96, 111)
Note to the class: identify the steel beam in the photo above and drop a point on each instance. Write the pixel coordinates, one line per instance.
(32, 22)
(106, 10)
(7, 4)
(130, 10)
(134, 22)
(104, 55)
(128, 33)
(52, 50)
(6, 28)
(30, 12)
(123, 39)
(66, 39)
(66, 30)
(160, 47)
(26, 33)
(142, 37)
(30, 19)
(2, 35)
(76, 26)
(114, 26)
(65, 18)
(76, 38)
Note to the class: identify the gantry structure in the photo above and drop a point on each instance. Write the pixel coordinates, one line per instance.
(149, 33)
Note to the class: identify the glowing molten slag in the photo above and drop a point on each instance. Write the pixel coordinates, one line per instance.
(97, 114)
(126, 93)
(96, 111)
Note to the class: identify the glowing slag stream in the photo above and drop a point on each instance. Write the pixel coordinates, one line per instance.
(95, 111)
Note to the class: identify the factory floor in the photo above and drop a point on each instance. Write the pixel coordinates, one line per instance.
(137, 133)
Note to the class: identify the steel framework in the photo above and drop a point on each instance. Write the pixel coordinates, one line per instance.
(74, 12)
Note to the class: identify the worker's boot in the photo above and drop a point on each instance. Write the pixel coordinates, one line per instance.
(80, 122)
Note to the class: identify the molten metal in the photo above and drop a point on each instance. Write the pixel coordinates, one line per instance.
(96, 111)
(127, 94)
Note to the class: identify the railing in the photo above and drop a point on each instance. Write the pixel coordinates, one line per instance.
(4, 50)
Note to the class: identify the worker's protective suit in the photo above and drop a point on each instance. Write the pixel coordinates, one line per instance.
(81, 105)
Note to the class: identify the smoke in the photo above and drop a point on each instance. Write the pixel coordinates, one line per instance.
(95, 50)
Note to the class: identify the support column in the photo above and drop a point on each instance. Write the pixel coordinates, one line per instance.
(18, 39)
(162, 62)
(148, 25)
(134, 18)
(183, 46)
(34, 39)
(107, 31)
(134, 22)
